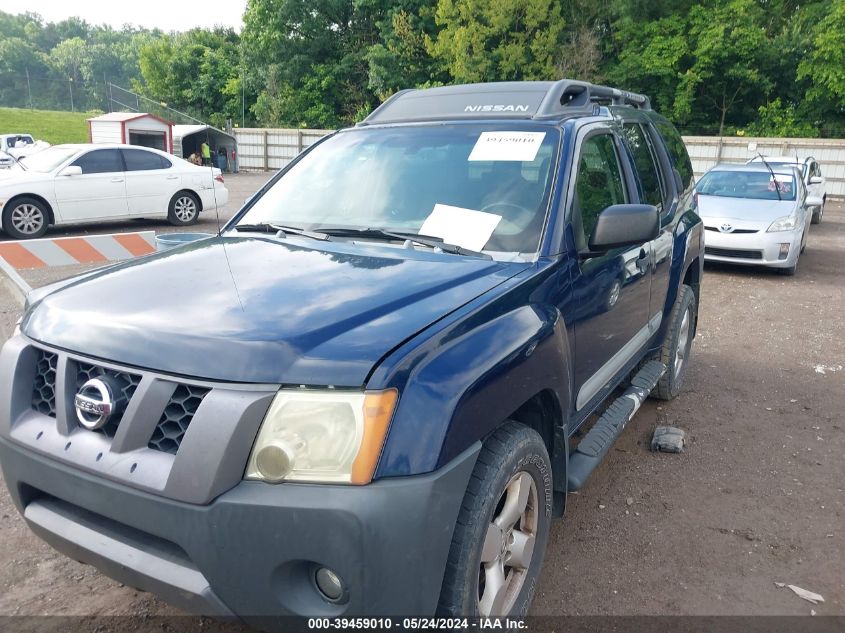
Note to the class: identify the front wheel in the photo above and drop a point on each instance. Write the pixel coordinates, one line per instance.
(502, 529)
(676, 346)
(818, 213)
(184, 209)
(25, 218)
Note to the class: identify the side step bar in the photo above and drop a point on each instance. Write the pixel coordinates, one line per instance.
(595, 444)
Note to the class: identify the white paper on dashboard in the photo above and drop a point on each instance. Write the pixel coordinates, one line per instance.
(511, 146)
(462, 227)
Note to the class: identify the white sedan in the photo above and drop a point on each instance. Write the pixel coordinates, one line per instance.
(73, 184)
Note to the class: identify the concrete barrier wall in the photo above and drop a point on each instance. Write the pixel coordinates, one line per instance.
(270, 149)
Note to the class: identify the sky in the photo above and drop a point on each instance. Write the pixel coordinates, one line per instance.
(168, 15)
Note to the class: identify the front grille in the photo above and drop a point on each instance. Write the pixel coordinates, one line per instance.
(177, 415)
(734, 232)
(732, 252)
(44, 384)
(126, 385)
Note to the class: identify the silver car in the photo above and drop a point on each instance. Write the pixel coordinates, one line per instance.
(756, 214)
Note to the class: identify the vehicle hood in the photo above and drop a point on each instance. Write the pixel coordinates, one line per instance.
(256, 309)
(15, 175)
(747, 211)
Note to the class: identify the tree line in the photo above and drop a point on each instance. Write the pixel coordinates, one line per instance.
(755, 67)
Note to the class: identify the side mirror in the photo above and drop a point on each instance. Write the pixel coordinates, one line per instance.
(816, 180)
(813, 201)
(625, 225)
(71, 170)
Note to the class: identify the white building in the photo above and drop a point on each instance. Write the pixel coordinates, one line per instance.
(135, 128)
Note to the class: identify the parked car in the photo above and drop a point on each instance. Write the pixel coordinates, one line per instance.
(811, 174)
(20, 145)
(755, 214)
(71, 184)
(364, 395)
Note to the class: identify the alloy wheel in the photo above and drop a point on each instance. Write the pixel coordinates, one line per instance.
(27, 219)
(508, 547)
(185, 208)
(681, 348)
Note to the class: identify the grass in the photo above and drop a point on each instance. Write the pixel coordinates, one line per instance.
(46, 125)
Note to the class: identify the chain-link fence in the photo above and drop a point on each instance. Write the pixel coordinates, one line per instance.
(39, 93)
(26, 91)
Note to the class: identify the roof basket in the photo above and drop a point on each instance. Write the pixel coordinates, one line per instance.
(569, 93)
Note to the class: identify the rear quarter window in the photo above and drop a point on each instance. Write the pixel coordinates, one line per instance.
(677, 150)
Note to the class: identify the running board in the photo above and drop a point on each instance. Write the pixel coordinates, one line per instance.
(595, 444)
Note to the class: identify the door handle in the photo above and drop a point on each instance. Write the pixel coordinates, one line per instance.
(172, 177)
(117, 179)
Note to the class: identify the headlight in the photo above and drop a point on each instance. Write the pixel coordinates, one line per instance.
(787, 223)
(322, 436)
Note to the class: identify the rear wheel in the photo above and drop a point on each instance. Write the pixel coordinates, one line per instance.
(503, 527)
(184, 209)
(25, 218)
(676, 346)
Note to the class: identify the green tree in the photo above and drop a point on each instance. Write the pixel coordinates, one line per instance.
(495, 40)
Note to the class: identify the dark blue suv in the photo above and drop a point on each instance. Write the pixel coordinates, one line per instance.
(371, 392)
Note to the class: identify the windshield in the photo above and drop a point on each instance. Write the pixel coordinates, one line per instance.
(478, 186)
(47, 159)
(756, 185)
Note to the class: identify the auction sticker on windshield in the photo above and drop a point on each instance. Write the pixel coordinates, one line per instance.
(507, 146)
(462, 227)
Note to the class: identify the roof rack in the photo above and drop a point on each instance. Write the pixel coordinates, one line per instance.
(507, 100)
(570, 93)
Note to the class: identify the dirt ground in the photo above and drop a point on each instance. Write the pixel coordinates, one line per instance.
(756, 499)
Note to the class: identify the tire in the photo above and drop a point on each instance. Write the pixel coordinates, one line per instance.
(513, 470)
(789, 272)
(184, 209)
(676, 346)
(818, 213)
(26, 218)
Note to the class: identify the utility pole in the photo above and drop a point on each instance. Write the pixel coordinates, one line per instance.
(70, 85)
(28, 87)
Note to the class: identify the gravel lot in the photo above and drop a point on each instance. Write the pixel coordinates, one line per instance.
(756, 499)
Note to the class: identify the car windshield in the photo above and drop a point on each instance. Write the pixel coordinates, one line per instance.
(47, 159)
(482, 187)
(756, 185)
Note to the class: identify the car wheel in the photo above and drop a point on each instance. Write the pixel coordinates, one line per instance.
(184, 209)
(789, 271)
(676, 346)
(26, 218)
(503, 526)
(818, 213)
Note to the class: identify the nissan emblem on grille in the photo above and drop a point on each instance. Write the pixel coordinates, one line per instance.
(94, 404)
(726, 228)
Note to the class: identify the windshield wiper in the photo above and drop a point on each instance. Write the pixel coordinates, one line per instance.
(267, 227)
(774, 179)
(425, 240)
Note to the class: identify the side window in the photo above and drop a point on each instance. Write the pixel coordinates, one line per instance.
(141, 160)
(100, 161)
(645, 161)
(677, 150)
(598, 185)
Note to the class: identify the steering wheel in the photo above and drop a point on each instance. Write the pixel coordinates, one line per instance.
(511, 223)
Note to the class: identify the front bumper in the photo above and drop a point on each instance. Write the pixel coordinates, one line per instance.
(752, 249)
(253, 551)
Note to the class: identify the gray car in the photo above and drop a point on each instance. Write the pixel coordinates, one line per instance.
(755, 214)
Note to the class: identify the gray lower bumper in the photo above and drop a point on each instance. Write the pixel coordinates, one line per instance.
(253, 550)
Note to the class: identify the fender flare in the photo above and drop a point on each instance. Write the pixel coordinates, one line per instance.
(449, 402)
